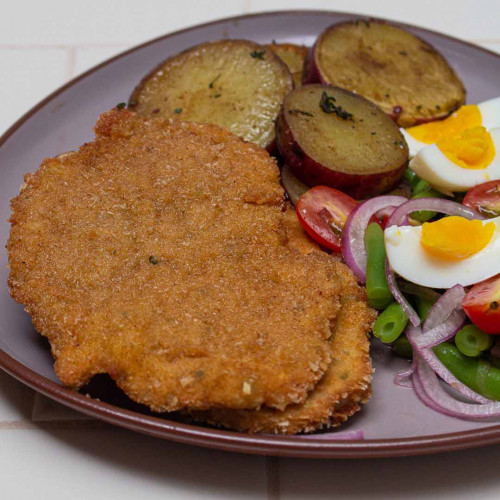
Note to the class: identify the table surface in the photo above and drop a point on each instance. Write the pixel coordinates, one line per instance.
(48, 451)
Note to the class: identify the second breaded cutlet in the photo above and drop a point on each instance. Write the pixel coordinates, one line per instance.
(158, 254)
(347, 381)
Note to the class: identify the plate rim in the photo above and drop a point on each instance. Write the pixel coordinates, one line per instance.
(289, 446)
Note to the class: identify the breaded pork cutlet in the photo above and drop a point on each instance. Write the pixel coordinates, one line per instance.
(159, 254)
(347, 381)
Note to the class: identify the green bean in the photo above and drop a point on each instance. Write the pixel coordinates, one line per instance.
(472, 341)
(377, 289)
(477, 373)
(390, 323)
(420, 187)
(424, 305)
(493, 360)
(411, 177)
(402, 347)
(428, 192)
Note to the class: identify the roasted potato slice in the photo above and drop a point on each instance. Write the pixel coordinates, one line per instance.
(293, 56)
(236, 84)
(293, 187)
(330, 136)
(401, 73)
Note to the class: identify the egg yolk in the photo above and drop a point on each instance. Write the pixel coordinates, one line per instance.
(473, 149)
(455, 238)
(464, 118)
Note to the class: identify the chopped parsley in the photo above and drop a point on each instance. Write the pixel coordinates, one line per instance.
(211, 84)
(327, 104)
(403, 52)
(153, 260)
(131, 104)
(398, 143)
(177, 110)
(120, 105)
(217, 96)
(299, 112)
(258, 54)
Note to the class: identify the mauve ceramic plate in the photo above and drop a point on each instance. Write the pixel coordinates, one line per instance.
(395, 422)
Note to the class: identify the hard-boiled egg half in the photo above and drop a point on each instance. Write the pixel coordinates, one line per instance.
(460, 163)
(485, 114)
(441, 254)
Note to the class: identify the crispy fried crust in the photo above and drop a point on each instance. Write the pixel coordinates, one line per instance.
(158, 254)
(345, 385)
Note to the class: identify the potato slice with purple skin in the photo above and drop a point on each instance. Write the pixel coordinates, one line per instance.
(293, 187)
(332, 137)
(236, 84)
(293, 56)
(401, 73)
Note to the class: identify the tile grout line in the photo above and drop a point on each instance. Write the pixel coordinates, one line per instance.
(79, 45)
(273, 478)
(71, 54)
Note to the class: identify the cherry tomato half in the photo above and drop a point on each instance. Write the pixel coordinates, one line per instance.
(482, 305)
(323, 212)
(485, 198)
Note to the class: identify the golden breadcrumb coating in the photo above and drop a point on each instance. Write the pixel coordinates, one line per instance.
(159, 254)
(338, 395)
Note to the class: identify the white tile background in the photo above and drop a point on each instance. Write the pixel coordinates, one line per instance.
(47, 451)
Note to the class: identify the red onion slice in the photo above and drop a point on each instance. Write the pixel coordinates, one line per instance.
(429, 390)
(448, 207)
(353, 234)
(404, 379)
(432, 360)
(449, 302)
(442, 332)
(421, 394)
(385, 212)
(400, 298)
(444, 307)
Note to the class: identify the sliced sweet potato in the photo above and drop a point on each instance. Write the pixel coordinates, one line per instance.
(293, 187)
(401, 73)
(330, 136)
(293, 56)
(236, 84)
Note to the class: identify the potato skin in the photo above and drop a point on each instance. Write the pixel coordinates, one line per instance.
(311, 72)
(401, 113)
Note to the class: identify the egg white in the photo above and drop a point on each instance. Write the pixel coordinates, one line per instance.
(414, 146)
(490, 119)
(408, 258)
(432, 165)
(490, 113)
